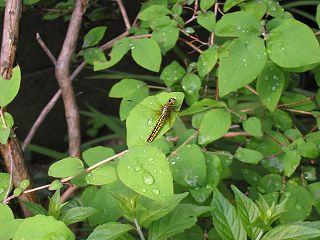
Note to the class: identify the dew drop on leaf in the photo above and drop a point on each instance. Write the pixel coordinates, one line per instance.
(138, 167)
(148, 179)
(155, 191)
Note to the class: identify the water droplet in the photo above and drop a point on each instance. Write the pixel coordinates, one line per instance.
(150, 160)
(138, 167)
(275, 77)
(89, 174)
(173, 163)
(129, 167)
(144, 190)
(155, 170)
(155, 191)
(1, 190)
(282, 48)
(274, 88)
(299, 207)
(269, 99)
(239, 27)
(148, 179)
(149, 121)
(160, 171)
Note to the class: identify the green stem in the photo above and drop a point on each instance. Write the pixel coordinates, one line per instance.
(303, 13)
(300, 3)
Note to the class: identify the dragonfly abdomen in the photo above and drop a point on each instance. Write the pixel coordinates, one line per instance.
(165, 114)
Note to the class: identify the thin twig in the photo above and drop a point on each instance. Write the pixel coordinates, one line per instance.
(297, 111)
(191, 45)
(184, 143)
(46, 49)
(124, 14)
(46, 110)
(235, 134)
(297, 102)
(138, 229)
(251, 89)
(65, 180)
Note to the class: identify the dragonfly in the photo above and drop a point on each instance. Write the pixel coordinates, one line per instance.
(152, 117)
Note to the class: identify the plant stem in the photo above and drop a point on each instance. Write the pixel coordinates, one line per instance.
(139, 229)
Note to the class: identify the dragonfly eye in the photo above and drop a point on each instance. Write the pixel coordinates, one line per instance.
(172, 101)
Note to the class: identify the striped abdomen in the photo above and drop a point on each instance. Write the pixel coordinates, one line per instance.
(165, 114)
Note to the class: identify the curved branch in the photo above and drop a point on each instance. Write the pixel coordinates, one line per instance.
(64, 79)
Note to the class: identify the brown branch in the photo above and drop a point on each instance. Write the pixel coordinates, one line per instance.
(235, 134)
(63, 77)
(297, 111)
(10, 36)
(46, 110)
(67, 179)
(46, 49)
(191, 45)
(124, 14)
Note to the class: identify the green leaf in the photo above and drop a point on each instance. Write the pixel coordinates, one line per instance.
(153, 12)
(238, 24)
(314, 190)
(119, 49)
(146, 52)
(270, 85)
(308, 150)
(50, 228)
(55, 205)
(77, 214)
(9, 88)
(96, 154)
(67, 167)
(244, 62)
(104, 201)
(17, 192)
(292, 97)
(110, 231)
(9, 228)
(4, 135)
(251, 177)
(144, 116)
(280, 119)
(8, 119)
(102, 175)
(24, 184)
(166, 37)
(93, 54)
(298, 205)
(291, 232)
(214, 169)
(146, 171)
(35, 208)
(293, 45)
(214, 124)
(291, 161)
(226, 219)
(5, 213)
(257, 8)
(191, 85)
(270, 183)
(248, 155)
(94, 36)
(126, 87)
(55, 185)
(206, 61)
(206, 4)
(4, 183)
(183, 217)
(188, 166)
(207, 20)
(172, 73)
(253, 126)
(153, 210)
(231, 3)
(30, 2)
(248, 211)
(202, 105)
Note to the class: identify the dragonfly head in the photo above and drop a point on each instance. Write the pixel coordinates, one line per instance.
(171, 101)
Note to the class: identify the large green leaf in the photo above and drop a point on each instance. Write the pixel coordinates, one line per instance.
(144, 116)
(293, 45)
(50, 229)
(153, 210)
(67, 167)
(226, 219)
(102, 175)
(238, 24)
(152, 12)
(298, 205)
(166, 37)
(207, 20)
(291, 232)
(270, 85)
(146, 171)
(94, 155)
(243, 61)
(248, 155)
(188, 166)
(172, 73)
(206, 61)
(183, 217)
(248, 211)
(77, 214)
(146, 52)
(9, 88)
(5, 213)
(253, 126)
(206, 4)
(214, 124)
(291, 160)
(94, 36)
(110, 231)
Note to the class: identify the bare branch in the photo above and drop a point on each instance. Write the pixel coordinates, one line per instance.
(124, 14)
(46, 49)
(10, 36)
(63, 77)
(46, 110)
